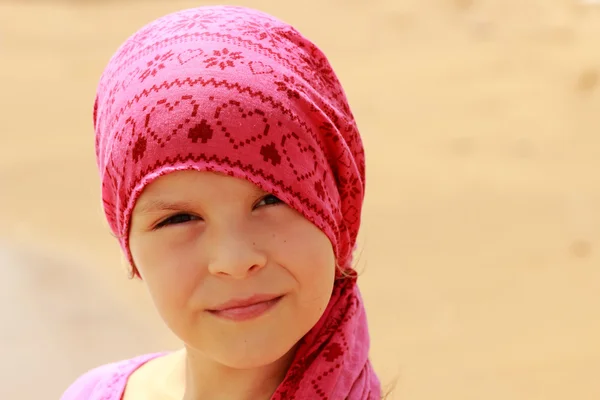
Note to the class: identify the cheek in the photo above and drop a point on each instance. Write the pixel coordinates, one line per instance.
(307, 255)
(314, 271)
(315, 274)
(170, 271)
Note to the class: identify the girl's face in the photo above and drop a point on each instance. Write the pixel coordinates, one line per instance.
(203, 242)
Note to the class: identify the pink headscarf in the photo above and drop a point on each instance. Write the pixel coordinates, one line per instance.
(237, 91)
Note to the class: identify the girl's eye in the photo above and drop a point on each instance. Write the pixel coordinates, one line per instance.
(176, 219)
(268, 200)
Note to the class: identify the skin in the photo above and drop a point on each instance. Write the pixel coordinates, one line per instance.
(200, 239)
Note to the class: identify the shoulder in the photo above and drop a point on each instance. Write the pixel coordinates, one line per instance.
(106, 379)
(88, 384)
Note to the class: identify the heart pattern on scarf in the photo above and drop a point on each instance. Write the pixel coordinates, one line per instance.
(189, 55)
(259, 68)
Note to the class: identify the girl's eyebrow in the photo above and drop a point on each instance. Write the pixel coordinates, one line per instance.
(157, 205)
(161, 205)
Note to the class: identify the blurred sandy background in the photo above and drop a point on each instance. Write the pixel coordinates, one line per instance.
(482, 224)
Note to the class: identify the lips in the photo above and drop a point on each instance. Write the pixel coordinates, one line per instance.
(244, 309)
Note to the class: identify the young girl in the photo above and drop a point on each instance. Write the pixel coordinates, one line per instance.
(233, 175)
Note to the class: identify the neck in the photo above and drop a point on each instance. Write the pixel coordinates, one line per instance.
(207, 379)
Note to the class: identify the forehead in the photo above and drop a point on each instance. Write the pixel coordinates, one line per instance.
(177, 188)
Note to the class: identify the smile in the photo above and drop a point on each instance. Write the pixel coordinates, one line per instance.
(246, 309)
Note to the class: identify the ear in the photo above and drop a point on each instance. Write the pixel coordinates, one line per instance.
(132, 271)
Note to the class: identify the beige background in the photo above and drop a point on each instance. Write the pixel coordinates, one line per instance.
(481, 230)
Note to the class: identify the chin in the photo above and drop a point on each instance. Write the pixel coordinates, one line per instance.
(256, 356)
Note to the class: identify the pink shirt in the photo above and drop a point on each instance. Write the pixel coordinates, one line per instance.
(106, 382)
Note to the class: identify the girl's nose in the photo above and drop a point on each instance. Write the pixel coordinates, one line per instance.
(236, 255)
